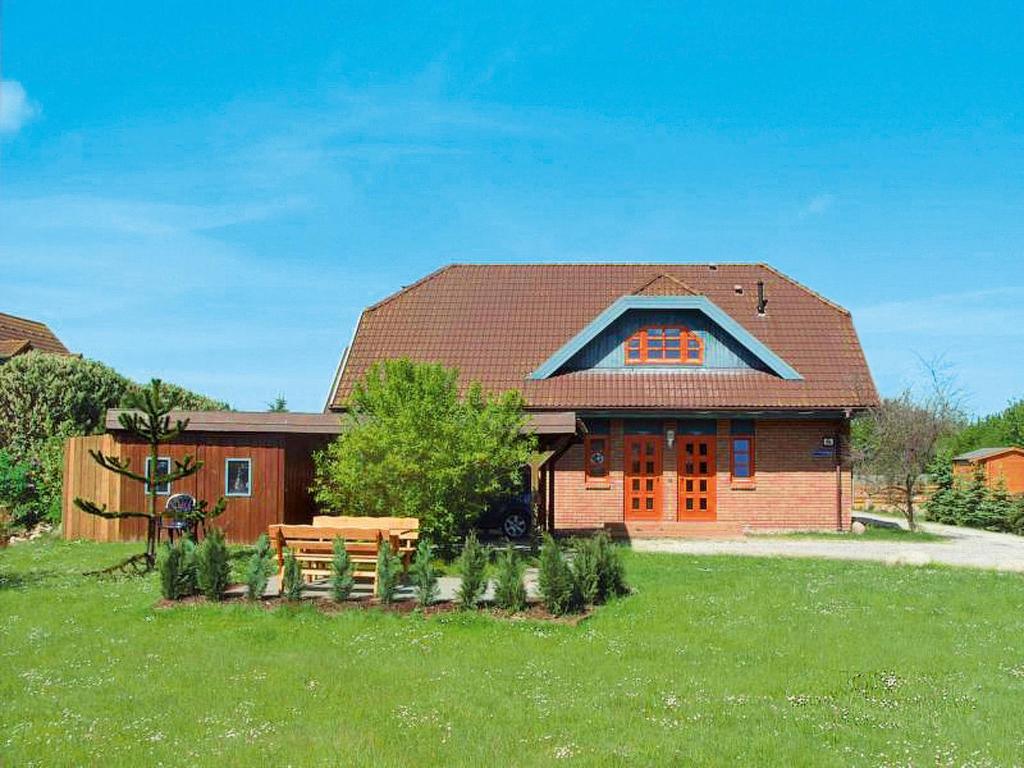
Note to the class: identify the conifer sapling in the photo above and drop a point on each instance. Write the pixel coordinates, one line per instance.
(424, 578)
(341, 571)
(472, 564)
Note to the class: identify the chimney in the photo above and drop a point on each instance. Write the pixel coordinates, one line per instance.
(762, 302)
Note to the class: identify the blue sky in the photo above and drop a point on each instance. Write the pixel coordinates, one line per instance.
(210, 192)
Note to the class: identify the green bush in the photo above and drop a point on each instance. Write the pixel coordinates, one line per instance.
(213, 565)
(555, 579)
(414, 447)
(389, 570)
(177, 568)
(424, 577)
(341, 571)
(473, 567)
(44, 399)
(168, 565)
(971, 502)
(257, 573)
(509, 590)
(586, 577)
(16, 491)
(291, 579)
(611, 574)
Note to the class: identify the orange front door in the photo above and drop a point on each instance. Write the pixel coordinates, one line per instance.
(697, 478)
(643, 477)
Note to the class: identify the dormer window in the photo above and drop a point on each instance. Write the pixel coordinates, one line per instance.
(664, 345)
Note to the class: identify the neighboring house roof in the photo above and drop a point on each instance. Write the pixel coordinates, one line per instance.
(499, 324)
(987, 453)
(19, 335)
(556, 423)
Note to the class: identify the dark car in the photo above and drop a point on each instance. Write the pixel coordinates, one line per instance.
(511, 514)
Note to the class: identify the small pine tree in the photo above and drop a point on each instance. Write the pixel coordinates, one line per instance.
(1016, 520)
(168, 564)
(291, 579)
(973, 509)
(424, 577)
(258, 572)
(188, 577)
(509, 590)
(389, 569)
(611, 574)
(586, 576)
(472, 564)
(341, 572)
(213, 565)
(997, 508)
(555, 579)
(941, 505)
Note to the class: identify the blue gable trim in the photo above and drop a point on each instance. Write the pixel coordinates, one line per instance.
(701, 303)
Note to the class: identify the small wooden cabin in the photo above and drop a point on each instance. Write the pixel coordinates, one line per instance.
(260, 462)
(999, 463)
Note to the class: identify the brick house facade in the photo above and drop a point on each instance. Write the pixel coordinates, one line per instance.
(708, 399)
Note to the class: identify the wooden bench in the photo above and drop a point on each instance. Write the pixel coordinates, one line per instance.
(405, 529)
(313, 547)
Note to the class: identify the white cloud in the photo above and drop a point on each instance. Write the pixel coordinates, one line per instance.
(817, 205)
(16, 108)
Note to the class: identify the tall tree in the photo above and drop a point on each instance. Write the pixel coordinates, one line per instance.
(413, 447)
(898, 441)
(150, 421)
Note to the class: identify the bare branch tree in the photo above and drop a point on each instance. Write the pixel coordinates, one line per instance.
(902, 434)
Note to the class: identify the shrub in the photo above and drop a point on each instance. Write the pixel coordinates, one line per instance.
(424, 578)
(414, 447)
(341, 572)
(291, 579)
(473, 565)
(611, 575)
(258, 571)
(188, 576)
(389, 569)
(168, 565)
(509, 590)
(555, 579)
(15, 487)
(176, 565)
(585, 573)
(1015, 522)
(213, 565)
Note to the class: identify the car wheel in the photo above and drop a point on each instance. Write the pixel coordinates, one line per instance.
(516, 524)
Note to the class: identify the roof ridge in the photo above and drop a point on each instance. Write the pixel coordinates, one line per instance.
(801, 286)
(413, 286)
(40, 323)
(644, 286)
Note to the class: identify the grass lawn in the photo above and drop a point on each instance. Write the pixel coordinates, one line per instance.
(723, 661)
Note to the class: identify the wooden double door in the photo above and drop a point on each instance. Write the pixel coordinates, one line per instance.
(698, 478)
(643, 477)
(696, 473)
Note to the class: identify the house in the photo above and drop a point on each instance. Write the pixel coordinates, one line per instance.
(1004, 465)
(710, 399)
(18, 336)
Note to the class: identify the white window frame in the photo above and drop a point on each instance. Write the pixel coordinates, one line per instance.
(170, 465)
(227, 478)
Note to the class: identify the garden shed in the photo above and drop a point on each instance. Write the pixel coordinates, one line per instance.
(261, 462)
(1005, 463)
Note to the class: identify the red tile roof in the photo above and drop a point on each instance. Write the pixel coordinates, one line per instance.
(498, 323)
(15, 332)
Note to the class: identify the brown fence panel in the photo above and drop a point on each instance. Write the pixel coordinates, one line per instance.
(84, 478)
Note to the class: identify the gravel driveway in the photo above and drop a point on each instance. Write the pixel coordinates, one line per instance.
(965, 547)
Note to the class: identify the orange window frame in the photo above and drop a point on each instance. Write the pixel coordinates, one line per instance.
(602, 478)
(751, 462)
(656, 337)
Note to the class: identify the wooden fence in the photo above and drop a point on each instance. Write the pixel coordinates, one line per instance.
(85, 478)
